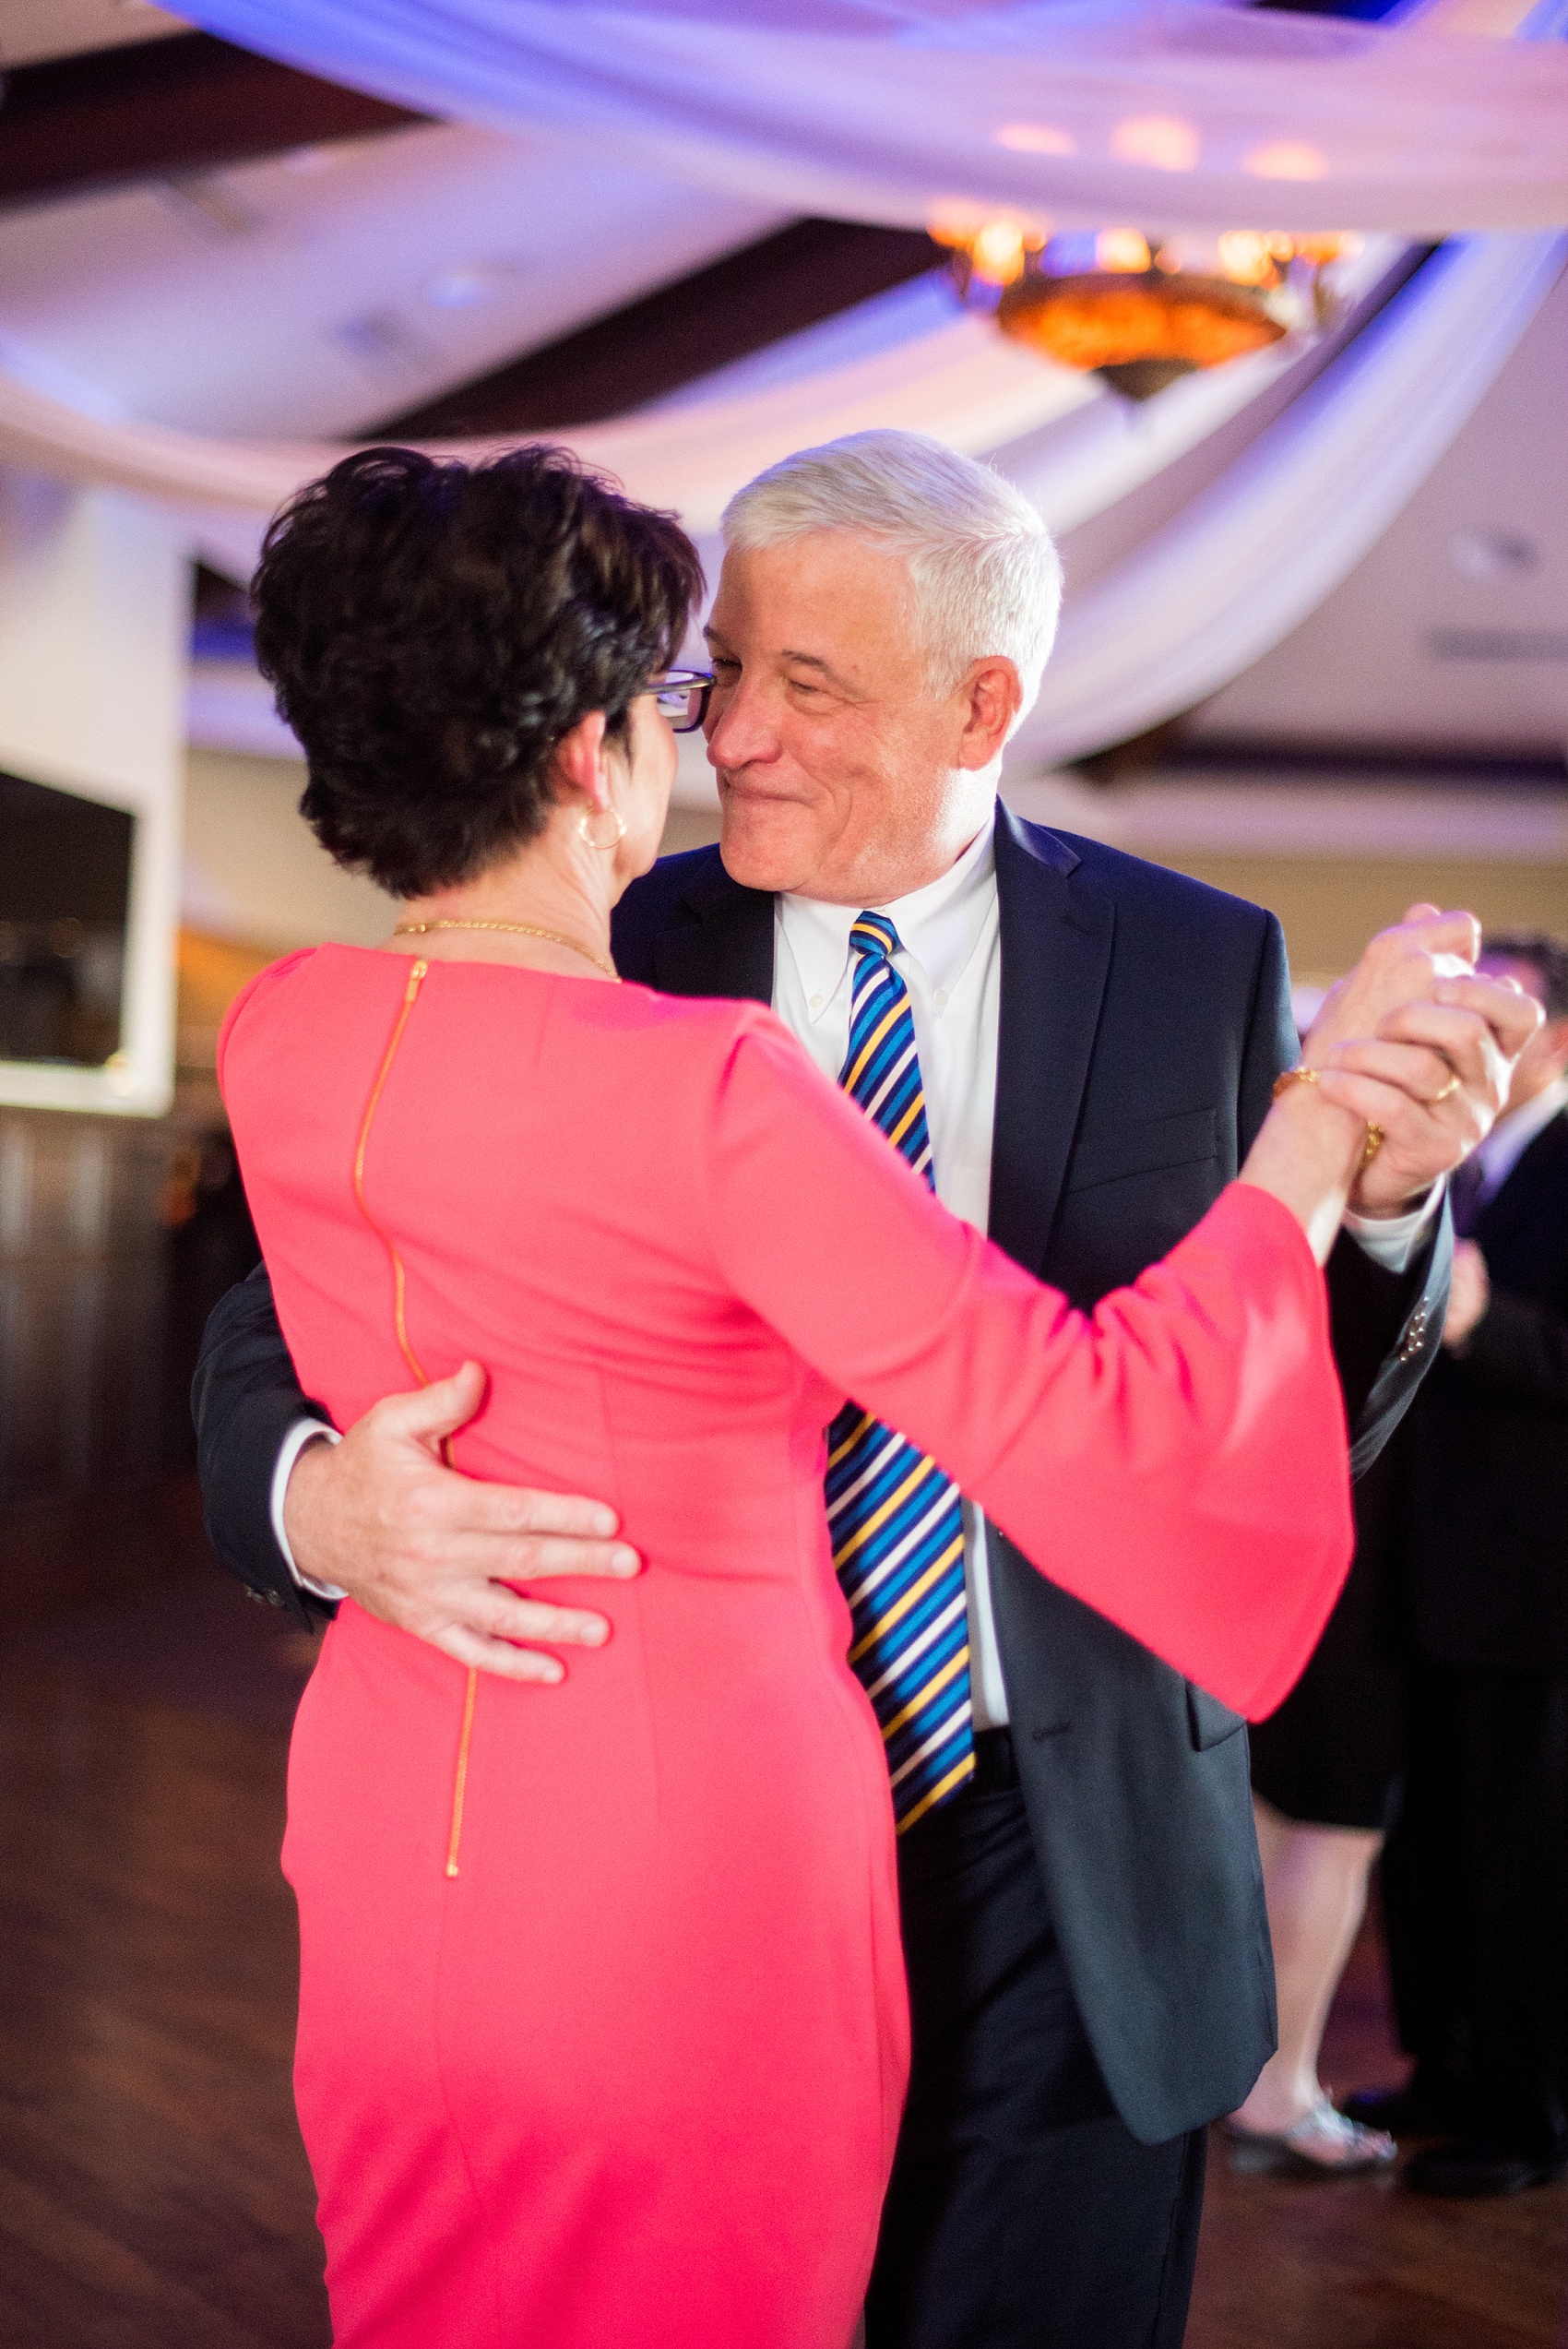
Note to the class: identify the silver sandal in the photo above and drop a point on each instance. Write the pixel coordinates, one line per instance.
(1324, 2143)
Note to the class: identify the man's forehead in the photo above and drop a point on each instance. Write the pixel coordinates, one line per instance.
(830, 599)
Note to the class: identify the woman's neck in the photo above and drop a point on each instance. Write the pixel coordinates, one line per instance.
(549, 905)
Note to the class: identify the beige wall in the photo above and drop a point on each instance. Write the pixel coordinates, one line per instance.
(688, 828)
(1330, 907)
(253, 871)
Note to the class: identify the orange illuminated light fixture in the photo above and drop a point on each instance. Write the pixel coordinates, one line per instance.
(1138, 312)
(1140, 332)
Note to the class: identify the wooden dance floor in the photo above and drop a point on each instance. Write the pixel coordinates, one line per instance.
(153, 2191)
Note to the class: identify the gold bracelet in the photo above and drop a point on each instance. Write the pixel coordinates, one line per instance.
(1302, 1074)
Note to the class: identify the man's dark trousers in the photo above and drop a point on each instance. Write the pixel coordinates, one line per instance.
(1123, 1951)
(1012, 2157)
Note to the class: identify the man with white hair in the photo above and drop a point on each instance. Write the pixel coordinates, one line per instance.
(1094, 1041)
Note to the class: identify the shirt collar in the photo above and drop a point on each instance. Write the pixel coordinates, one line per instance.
(938, 927)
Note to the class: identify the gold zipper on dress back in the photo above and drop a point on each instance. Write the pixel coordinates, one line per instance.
(416, 979)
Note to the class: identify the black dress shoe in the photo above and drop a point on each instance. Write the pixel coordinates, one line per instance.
(1476, 2166)
(1414, 2110)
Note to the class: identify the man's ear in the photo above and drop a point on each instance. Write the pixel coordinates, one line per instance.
(992, 698)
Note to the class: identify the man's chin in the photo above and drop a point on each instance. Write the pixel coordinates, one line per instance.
(768, 844)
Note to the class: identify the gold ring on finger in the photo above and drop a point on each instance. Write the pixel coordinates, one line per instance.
(1451, 1088)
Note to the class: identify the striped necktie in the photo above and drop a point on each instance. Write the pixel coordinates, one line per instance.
(894, 1518)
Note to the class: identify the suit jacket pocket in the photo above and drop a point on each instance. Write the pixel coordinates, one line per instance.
(1210, 1721)
(1185, 1139)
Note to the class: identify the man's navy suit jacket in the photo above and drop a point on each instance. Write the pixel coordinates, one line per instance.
(1144, 1019)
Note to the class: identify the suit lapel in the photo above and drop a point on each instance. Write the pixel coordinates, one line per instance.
(723, 946)
(1056, 936)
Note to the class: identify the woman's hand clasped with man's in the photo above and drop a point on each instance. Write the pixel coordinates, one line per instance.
(1410, 1041)
(1422, 1047)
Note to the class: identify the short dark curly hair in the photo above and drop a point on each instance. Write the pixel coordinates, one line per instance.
(433, 630)
(1547, 958)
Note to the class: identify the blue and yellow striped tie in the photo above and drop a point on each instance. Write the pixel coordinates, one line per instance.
(895, 1518)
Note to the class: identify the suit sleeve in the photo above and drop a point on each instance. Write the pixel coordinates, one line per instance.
(1387, 1325)
(1519, 1353)
(1177, 1459)
(244, 1399)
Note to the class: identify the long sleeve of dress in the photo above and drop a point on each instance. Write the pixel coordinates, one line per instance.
(1178, 1459)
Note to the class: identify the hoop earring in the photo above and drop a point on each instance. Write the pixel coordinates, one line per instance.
(585, 822)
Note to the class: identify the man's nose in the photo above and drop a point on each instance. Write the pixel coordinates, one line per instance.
(741, 730)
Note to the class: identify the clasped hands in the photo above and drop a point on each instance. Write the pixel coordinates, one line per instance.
(1412, 1041)
(1417, 1044)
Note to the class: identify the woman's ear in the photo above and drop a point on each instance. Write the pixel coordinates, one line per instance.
(576, 768)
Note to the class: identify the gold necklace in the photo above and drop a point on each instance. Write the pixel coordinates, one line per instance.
(521, 929)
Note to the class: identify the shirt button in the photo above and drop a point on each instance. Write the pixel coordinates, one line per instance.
(817, 1003)
(940, 997)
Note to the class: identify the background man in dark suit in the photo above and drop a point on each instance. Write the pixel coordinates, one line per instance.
(1087, 1945)
(1476, 1872)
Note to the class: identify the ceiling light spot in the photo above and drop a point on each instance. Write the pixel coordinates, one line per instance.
(1492, 557)
(1159, 142)
(1037, 138)
(462, 287)
(1255, 257)
(1121, 249)
(1284, 159)
(998, 252)
(383, 344)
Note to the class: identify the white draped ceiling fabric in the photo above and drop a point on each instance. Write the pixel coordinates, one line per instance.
(1251, 558)
(876, 110)
(1158, 111)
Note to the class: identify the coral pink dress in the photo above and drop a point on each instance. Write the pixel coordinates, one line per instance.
(602, 2029)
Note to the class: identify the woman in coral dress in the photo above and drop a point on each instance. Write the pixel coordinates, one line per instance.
(602, 2029)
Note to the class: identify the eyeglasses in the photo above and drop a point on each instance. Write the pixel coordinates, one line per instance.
(683, 696)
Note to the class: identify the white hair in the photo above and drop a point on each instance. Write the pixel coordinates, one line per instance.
(986, 577)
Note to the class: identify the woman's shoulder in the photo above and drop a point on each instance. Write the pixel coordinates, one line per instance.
(692, 1049)
(711, 1023)
(258, 992)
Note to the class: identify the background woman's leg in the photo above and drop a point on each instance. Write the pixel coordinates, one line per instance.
(1316, 1883)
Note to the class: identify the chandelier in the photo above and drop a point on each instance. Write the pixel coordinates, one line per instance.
(1141, 311)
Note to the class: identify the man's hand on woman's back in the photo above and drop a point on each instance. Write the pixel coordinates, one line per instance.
(433, 1552)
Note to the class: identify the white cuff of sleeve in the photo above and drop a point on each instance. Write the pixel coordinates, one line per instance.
(1392, 1240)
(303, 1432)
